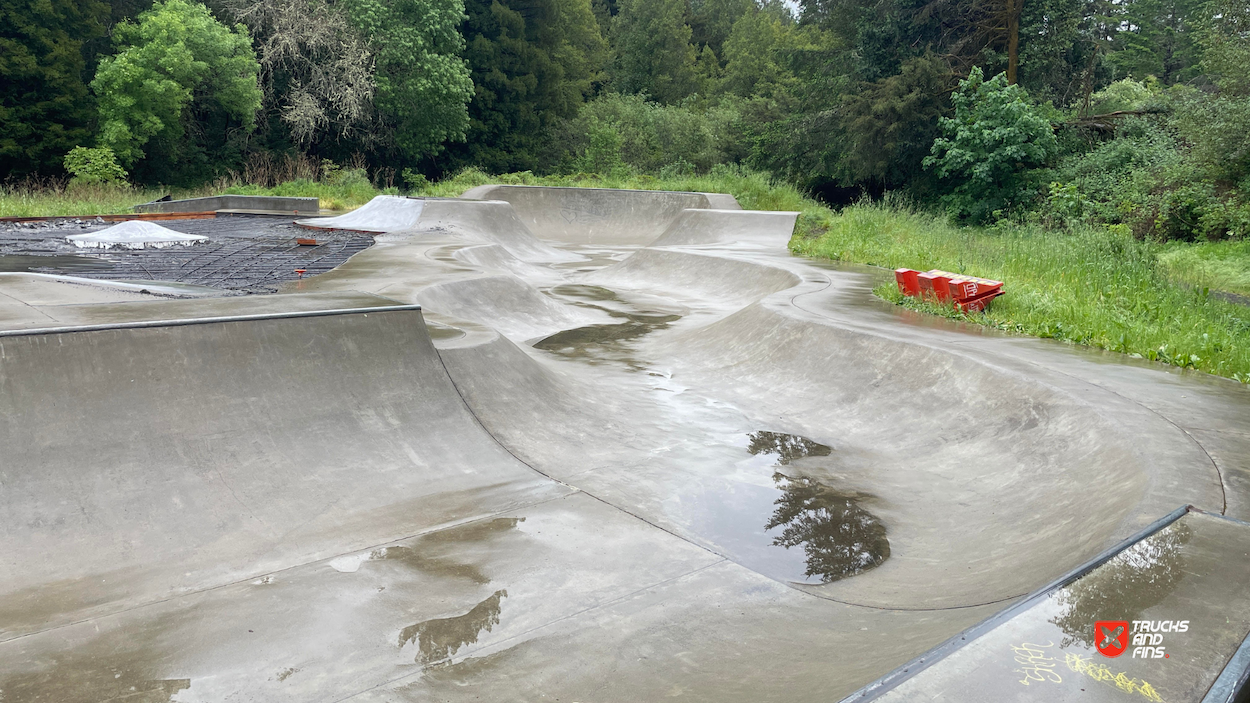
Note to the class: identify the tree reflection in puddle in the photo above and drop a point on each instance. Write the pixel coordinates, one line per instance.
(440, 638)
(1133, 581)
(839, 538)
(787, 447)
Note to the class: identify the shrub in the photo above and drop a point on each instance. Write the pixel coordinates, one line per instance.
(97, 166)
(988, 147)
(617, 133)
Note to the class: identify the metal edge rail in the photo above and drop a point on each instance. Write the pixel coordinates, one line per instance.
(147, 324)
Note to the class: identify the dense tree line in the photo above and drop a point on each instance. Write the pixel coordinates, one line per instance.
(1135, 113)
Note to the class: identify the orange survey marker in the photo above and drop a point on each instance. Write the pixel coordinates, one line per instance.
(966, 293)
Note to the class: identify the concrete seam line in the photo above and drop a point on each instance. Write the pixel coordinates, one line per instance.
(205, 320)
(1218, 473)
(1215, 465)
(285, 569)
(549, 623)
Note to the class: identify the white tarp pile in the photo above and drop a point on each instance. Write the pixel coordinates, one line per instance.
(134, 234)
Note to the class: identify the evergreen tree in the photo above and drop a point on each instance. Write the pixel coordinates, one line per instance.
(45, 109)
(712, 21)
(533, 62)
(653, 50)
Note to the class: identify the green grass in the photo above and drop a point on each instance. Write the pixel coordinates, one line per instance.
(1216, 265)
(1091, 286)
(338, 194)
(74, 202)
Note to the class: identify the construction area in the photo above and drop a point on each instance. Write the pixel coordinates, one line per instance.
(584, 445)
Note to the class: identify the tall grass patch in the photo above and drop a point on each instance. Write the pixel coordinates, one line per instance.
(1096, 286)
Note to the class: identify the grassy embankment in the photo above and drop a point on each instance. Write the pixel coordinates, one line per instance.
(55, 200)
(1091, 286)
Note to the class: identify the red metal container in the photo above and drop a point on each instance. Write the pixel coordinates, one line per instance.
(966, 293)
(907, 282)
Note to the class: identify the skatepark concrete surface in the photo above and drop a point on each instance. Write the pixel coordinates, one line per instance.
(582, 445)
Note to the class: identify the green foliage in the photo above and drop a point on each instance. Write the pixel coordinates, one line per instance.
(1090, 285)
(93, 166)
(712, 21)
(1155, 38)
(987, 147)
(1225, 37)
(654, 55)
(889, 127)
(533, 62)
(178, 68)
(1125, 94)
(415, 181)
(423, 84)
(1218, 130)
(756, 53)
(617, 132)
(45, 108)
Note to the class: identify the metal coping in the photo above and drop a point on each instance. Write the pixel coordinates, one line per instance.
(205, 320)
(891, 680)
(1232, 681)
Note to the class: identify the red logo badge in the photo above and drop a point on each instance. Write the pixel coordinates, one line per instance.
(1111, 637)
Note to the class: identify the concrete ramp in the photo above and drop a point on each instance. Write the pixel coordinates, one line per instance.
(491, 222)
(710, 227)
(593, 215)
(142, 461)
(1164, 616)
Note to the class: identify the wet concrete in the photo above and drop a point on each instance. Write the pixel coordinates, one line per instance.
(66, 263)
(1189, 572)
(745, 480)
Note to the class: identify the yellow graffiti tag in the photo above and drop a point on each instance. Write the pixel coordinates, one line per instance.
(1037, 667)
(1099, 672)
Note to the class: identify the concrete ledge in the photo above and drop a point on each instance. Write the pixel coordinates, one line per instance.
(267, 203)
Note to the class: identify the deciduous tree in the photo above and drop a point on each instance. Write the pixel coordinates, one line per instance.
(181, 84)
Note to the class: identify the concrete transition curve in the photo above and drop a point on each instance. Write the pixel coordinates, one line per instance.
(583, 445)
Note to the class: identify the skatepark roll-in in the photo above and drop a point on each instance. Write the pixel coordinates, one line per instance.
(588, 445)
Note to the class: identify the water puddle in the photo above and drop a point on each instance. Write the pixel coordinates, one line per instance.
(438, 331)
(439, 639)
(608, 342)
(26, 263)
(1124, 588)
(781, 522)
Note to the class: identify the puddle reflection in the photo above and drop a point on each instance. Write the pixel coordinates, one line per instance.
(441, 638)
(778, 518)
(1133, 581)
(839, 538)
(610, 342)
(787, 447)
